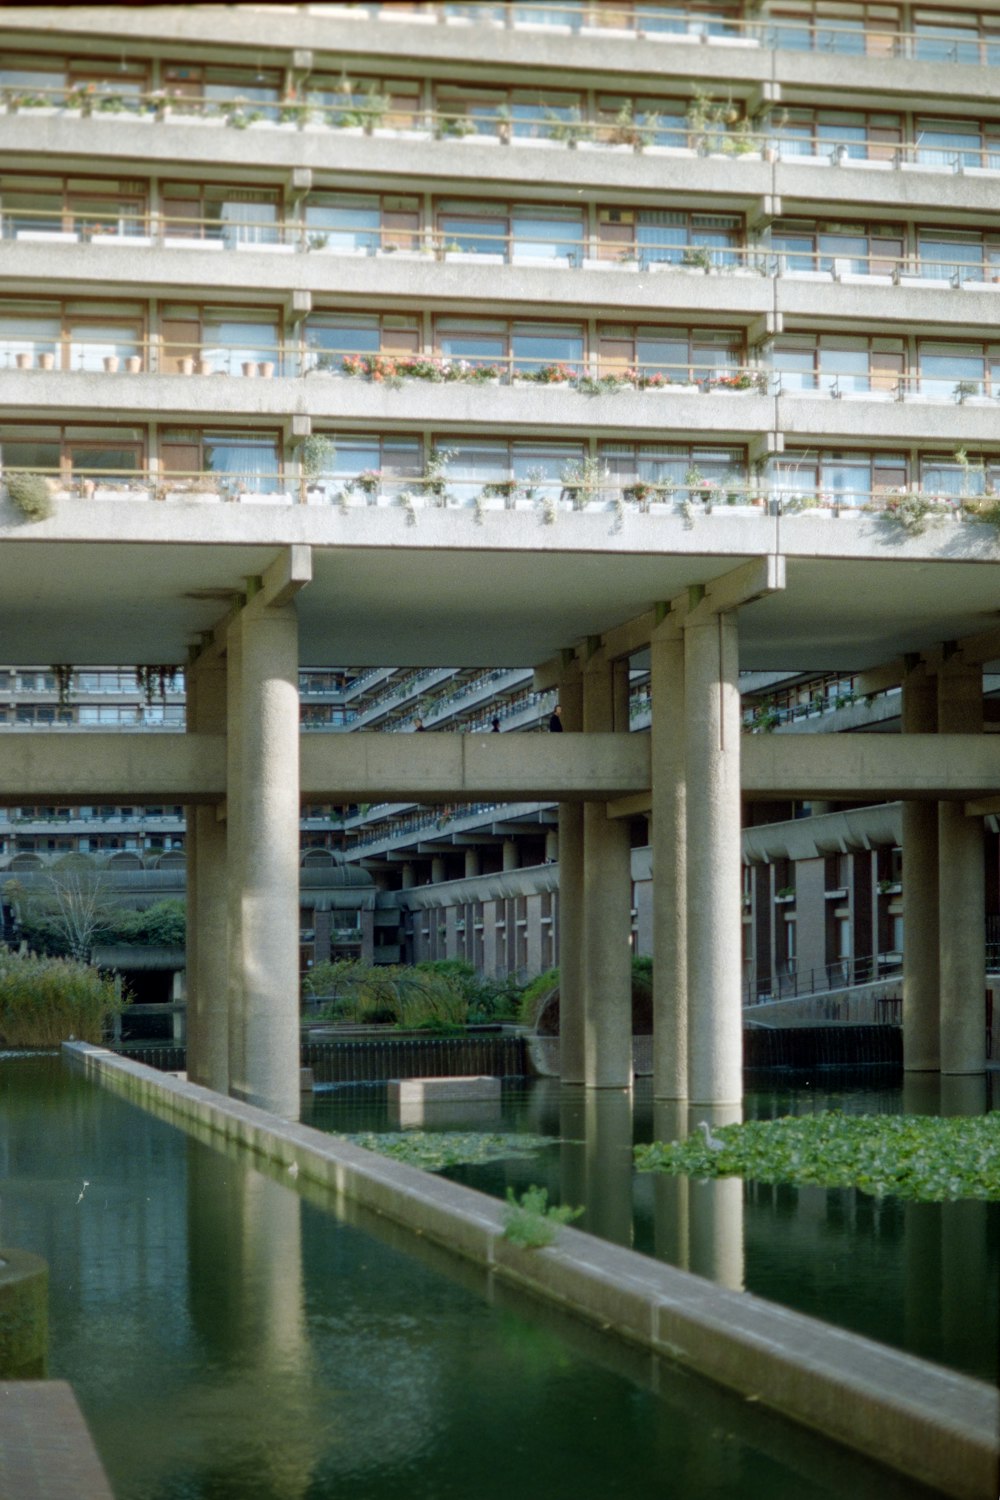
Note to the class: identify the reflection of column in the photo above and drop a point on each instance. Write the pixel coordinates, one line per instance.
(714, 918)
(608, 1195)
(607, 908)
(922, 1286)
(245, 1291)
(207, 896)
(264, 709)
(571, 966)
(964, 1095)
(921, 978)
(962, 890)
(670, 999)
(715, 1212)
(573, 1152)
(670, 1194)
(964, 1268)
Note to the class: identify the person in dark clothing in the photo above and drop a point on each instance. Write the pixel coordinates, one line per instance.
(494, 725)
(418, 727)
(555, 722)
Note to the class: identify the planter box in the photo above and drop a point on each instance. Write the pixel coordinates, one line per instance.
(128, 240)
(52, 236)
(184, 242)
(268, 247)
(470, 258)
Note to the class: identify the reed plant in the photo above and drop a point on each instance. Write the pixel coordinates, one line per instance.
(45, 1001)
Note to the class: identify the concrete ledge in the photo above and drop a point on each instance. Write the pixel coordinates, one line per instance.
(925, 1421)
(46, 1452)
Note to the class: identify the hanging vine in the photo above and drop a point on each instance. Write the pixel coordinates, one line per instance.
(156, 681)
(63, 674)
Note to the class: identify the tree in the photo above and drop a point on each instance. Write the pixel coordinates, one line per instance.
(62, 911)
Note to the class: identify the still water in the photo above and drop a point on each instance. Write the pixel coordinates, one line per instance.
(924, 1277)
(230, 1339)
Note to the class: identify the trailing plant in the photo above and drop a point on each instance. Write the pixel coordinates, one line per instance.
(585, 478)
(63, 674)
(911, 510)
(434, 476)
(156, 681)
(531, 1222)
(568, 129)
(32, 495)
(317, 455)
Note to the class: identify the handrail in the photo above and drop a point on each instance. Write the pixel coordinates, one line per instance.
(839, 974)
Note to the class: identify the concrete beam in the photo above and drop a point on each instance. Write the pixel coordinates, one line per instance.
(871, 767)
(753, 580)
(290, 572)
(101, 768)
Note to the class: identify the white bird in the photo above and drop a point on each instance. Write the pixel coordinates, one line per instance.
(712, 1142)
(293, 1170)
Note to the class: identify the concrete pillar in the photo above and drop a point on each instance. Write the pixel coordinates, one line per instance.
(471, 863)
(552, 846)
(437, 869)
(207, 896)
(669, 852)
(408, 877)
(264, 878)
(571, 923)
(921, 975)
(962, 890)
(510, 860)
(607, 912)
(712, 724)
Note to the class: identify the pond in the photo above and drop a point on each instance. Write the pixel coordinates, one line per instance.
(924, 1277)
(231, 1339)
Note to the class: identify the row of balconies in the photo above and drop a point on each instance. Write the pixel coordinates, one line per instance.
(727, 41)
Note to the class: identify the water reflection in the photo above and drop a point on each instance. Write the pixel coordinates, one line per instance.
(923, 1277)
(229, 1339)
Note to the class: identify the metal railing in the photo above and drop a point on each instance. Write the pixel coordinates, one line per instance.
(608, 21)
(842, 973)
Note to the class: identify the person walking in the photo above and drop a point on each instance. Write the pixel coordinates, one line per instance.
(555, 722)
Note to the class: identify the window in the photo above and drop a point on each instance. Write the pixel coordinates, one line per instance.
(839, 478)
(859, 249)
(972, 255)
(331, 336)
(684, 470)
(233, 216)
(244, 462)
(838, 364)
(679, 355)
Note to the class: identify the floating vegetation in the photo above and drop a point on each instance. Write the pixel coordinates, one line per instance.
(903, 1156)
(435, 1150)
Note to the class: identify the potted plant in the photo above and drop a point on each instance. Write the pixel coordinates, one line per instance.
(31, 494)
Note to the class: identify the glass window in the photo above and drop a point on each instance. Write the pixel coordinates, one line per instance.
(540, 234)
(944, 255)
(944, 366)
(535, 345)
(28, 336)
(945, 142)
(245, 462)
(345, 222)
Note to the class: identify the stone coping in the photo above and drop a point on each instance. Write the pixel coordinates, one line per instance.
(935, 1425)
(46, 1452)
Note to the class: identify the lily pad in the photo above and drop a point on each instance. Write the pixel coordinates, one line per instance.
(435, 1150)
(918, 1157)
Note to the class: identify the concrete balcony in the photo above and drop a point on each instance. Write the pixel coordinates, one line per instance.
(531, 408)
(862, 417)
(745, 57)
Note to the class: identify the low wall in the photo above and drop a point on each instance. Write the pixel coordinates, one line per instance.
(24, 1315)
(925, 1421)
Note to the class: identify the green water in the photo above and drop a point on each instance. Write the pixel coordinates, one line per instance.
(924, 1277)
(229, 1339)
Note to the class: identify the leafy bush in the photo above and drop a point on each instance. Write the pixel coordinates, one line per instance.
(438, 995)
(535, 993)
(531, 1222)
(31, 494)
(44, 1001)
(162, 925)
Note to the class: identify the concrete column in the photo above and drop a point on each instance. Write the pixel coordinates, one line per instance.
(712, 741)
(437, 869)
(607, 907)
(510, 860)
(669, 850)
(471, 863)
(207, 896)
(962, 890)
(264, 704)
(921, 975)
(552, 846)
(571, 922)
(408, 878)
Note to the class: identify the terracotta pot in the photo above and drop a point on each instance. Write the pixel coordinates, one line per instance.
(133, 364)
(47, 361)
(250, 367)
(206, 367)
(25, 361)
(111, 363)
(266, 369)
(186, 363)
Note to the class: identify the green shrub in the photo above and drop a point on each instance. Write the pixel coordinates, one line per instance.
(31, 494)
(44, 1001)
(531, 1222)
(535, 993)
(162, 925)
